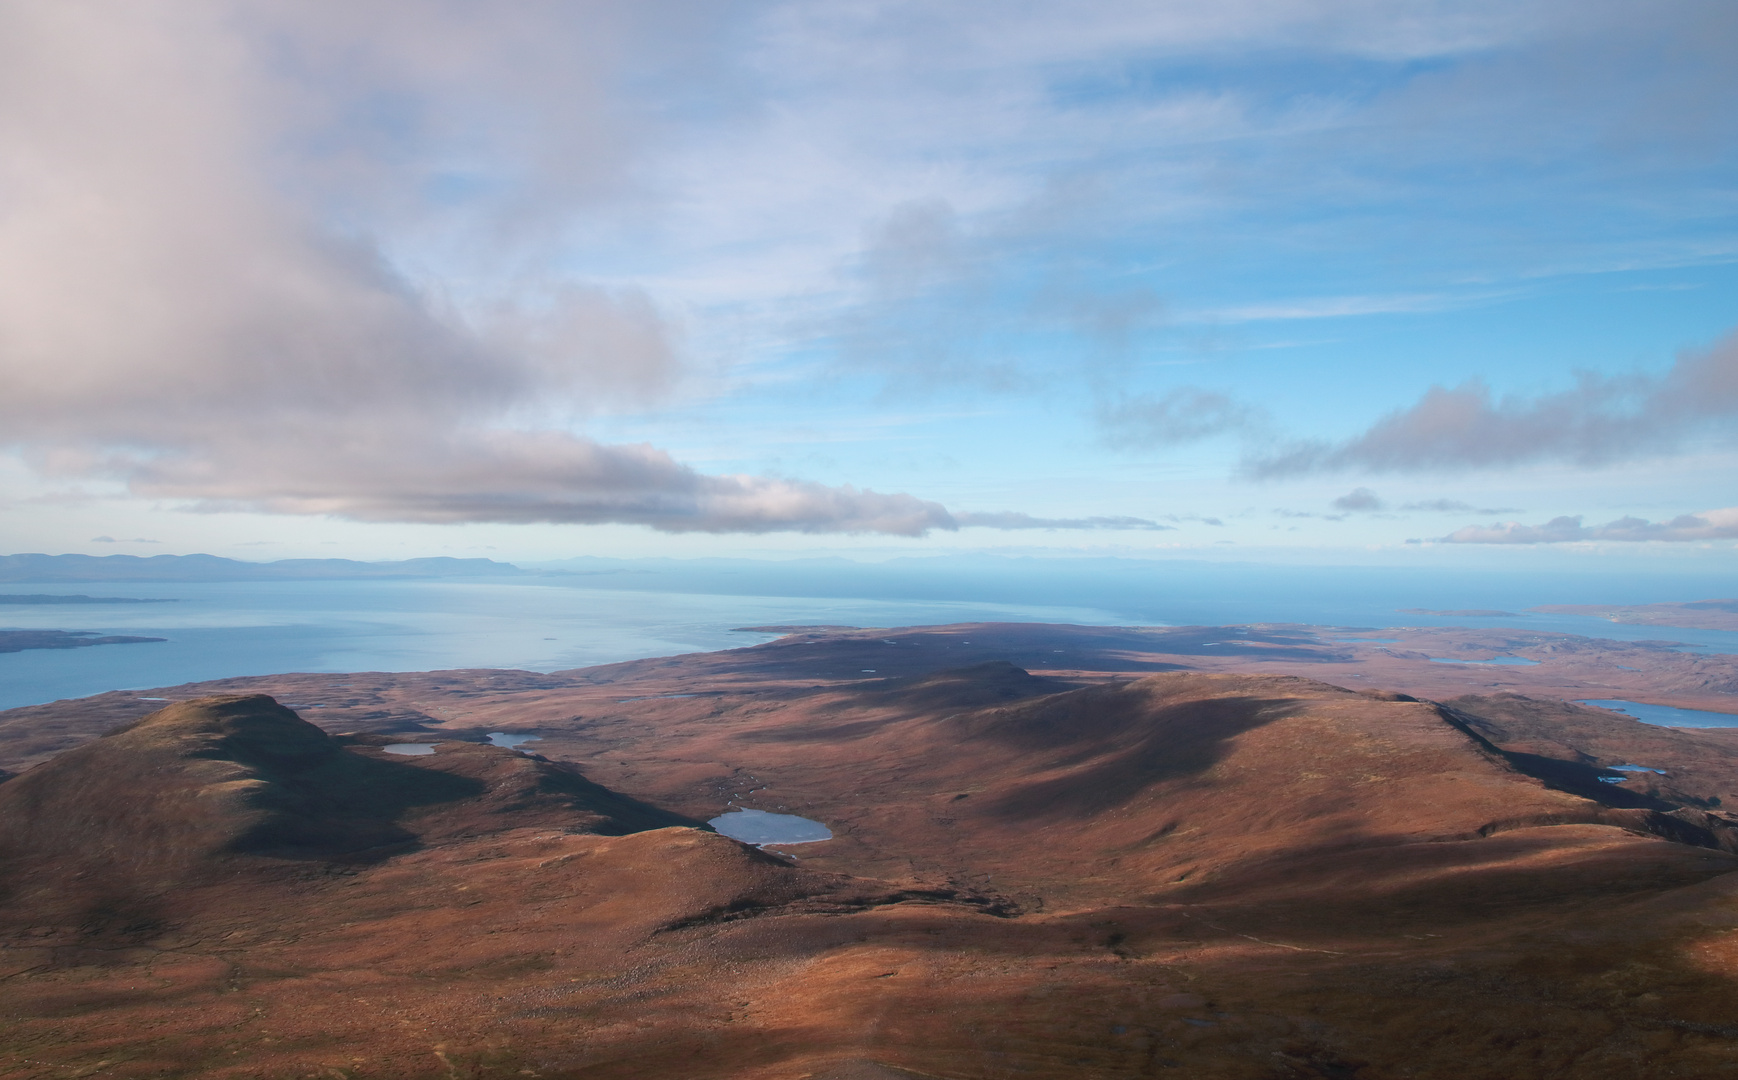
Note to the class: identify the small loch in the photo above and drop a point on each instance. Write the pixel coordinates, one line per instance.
(759, 827)
(409, 749)
(511, 742)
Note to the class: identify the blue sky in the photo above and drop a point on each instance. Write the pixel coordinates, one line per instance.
(1414, 283)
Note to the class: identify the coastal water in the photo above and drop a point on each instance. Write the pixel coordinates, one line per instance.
(614, 611)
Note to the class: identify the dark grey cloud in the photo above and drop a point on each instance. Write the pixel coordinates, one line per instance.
(1708, 525)
(1602, 420)
(1007, 520)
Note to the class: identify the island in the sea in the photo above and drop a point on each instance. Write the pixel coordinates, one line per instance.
(20, 640)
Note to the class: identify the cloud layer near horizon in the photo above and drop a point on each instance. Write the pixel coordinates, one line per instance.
(1707, 525)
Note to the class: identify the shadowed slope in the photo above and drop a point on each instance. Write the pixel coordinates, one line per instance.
(176, 793)
(211, 777)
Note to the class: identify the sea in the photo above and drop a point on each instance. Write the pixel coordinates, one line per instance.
(604, 612)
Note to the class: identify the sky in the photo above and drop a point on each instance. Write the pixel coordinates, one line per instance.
(1396, 282)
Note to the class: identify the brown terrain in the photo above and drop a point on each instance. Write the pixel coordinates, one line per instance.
(1058, 851)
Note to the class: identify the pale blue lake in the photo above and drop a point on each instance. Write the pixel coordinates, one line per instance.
(760, 827)
(1665, 715)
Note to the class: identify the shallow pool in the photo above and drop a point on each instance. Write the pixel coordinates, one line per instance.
(1665, 715)
(409, 749)
(761, 827)
(511, 742)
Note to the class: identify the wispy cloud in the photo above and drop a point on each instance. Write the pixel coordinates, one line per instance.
(1600, 421)
(1183, 415)
(1026, 521)
(1333, 307)
(1364, 500)
(1455, 506)
(1707, 525)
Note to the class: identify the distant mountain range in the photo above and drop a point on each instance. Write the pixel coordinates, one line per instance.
(49, 568)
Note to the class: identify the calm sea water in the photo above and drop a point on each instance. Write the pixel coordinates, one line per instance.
(262, 628)
(634, 610)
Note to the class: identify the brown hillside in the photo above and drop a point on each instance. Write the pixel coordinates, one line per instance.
(1203, 875)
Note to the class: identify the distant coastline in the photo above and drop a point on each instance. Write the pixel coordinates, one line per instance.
(37, 568)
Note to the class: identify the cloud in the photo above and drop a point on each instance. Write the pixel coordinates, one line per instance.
(939, 297)
(1026, 521)
(386, 259)
(527, 477)
(1117, 144)
(1707, 525)
(190, 304)
(1186, 414)
(1359, 499)
(1455, 506)
(1602, 420)
(1446, 506)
